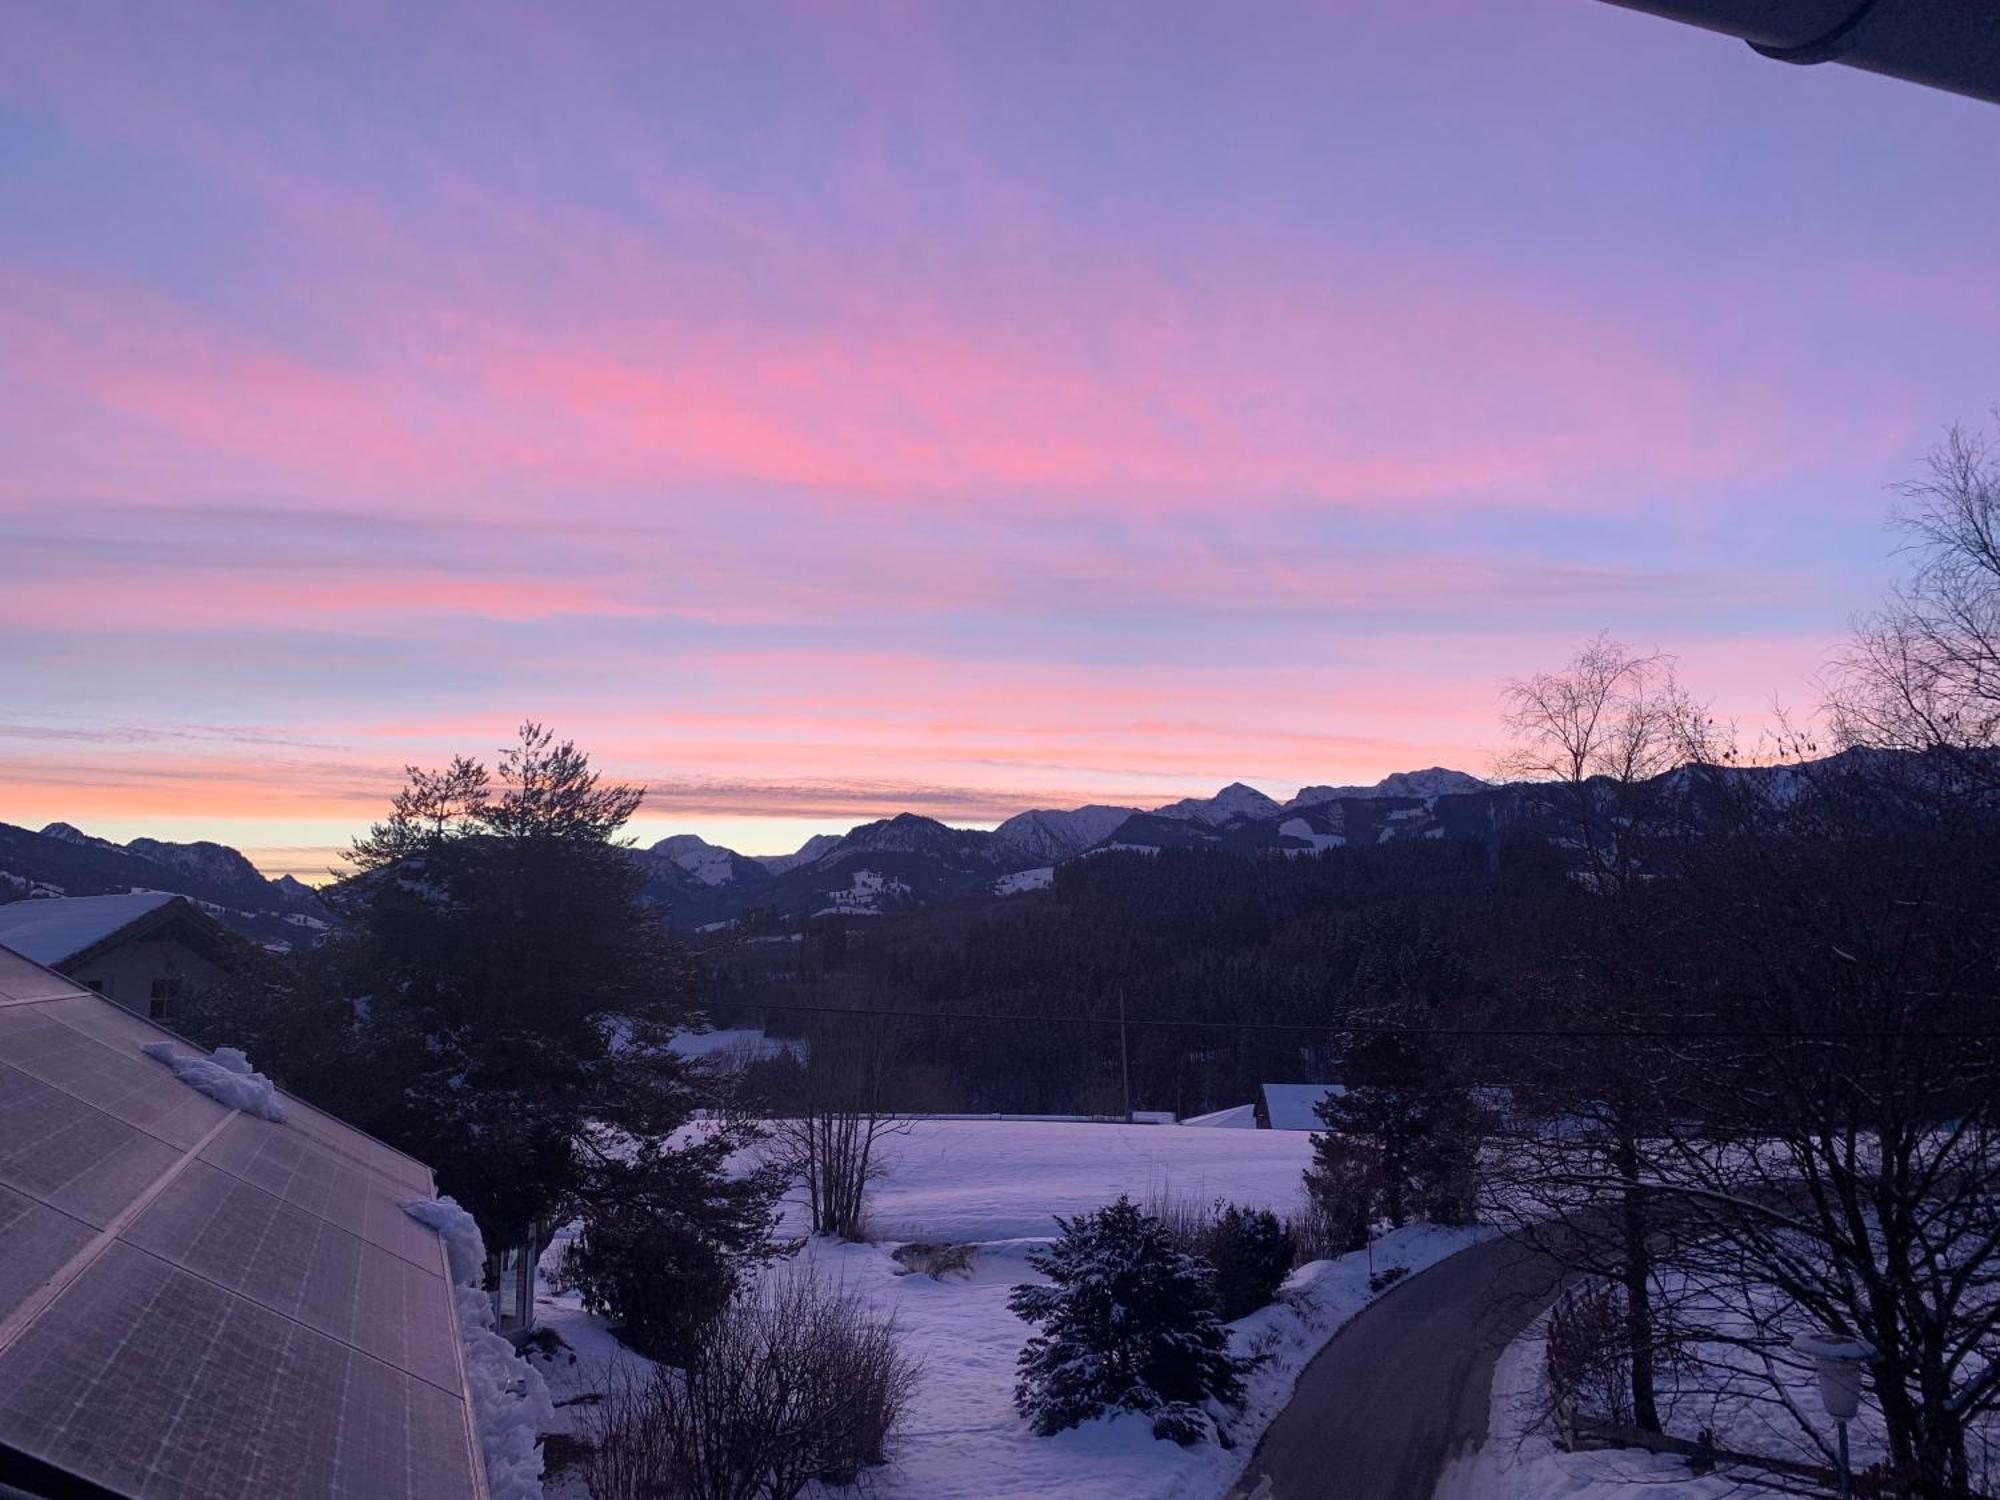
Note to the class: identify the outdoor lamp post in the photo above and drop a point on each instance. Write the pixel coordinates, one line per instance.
(1839, 1363)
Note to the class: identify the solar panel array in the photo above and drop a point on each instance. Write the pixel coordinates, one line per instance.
(197, 1302)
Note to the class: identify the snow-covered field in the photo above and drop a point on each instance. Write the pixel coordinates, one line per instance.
(999, 1184)
(1004, 1179)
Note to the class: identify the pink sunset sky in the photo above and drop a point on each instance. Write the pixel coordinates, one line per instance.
(830, 410)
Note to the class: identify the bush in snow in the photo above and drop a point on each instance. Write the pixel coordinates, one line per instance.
(1340, 1194)
(934, 1260)
(1187, 1221)
(1586, 1360)
(792, 1385)
(1249, 1251)
(666, 1239)
(1128, 1323)
(1252, 1253)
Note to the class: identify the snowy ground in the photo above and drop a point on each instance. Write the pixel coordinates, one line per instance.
(998, 1184)
(1001, 1180)
(1520, 1462)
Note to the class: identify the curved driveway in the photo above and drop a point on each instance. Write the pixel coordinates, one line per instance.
(1404, 1387)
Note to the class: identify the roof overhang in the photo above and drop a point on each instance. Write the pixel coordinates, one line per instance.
(1943, 44)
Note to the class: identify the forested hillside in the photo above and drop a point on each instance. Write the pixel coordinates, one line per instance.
(1212, 954)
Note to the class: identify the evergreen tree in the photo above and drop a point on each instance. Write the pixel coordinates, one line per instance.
(1401, 1138)
(1128, 1323)
(506, 1001)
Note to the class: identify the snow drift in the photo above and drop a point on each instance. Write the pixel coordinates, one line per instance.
(510, 1404)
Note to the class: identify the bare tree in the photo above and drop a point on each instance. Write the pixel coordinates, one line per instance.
(831, 1113)
(1846, 1159)
(1597, 733)
(1600, 734)
(1923, 672)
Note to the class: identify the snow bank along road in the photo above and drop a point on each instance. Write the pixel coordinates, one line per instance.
(1404, 1387)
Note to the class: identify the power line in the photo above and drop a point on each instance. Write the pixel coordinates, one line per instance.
(1525, 1033)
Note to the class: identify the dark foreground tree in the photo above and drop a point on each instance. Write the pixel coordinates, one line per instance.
(504, 1002)
(1601, 735)
(1402, 1135)
(1128, 1323)
(1847, 1162)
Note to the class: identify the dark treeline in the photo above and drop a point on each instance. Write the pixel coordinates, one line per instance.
(1457, 931)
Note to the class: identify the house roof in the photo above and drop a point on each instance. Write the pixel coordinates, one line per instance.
(1289, 1106)
(1236, 1117)
(197, 1301)
(55, 929)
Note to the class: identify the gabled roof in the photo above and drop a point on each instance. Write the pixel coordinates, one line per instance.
(1289, 1106)
(195, 1301)
(56, 929)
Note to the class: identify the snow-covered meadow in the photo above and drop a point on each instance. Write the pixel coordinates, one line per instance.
(1000, 1184)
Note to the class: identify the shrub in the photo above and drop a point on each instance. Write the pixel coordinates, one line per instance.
(1128, 1323)
(1315, 1234)
(934, 1260)
(1247, 1250)
(1189, 1223)
(1252, 1254)
(660, 1286)
(665, 1243)
(1342, 1184)
(1587, 1357)
(794, 1385)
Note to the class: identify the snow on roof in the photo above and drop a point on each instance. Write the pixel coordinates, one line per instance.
(1289, 1106)
(52, 929)
(1236, 1117)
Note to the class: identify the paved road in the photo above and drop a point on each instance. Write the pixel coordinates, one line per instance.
(1405, 1386)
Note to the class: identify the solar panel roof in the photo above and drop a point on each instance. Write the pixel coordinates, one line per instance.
(200, 1302)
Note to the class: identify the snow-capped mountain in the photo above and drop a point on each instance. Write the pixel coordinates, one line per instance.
(805, 854)
(1052, 835)
(891, 864)
(908, 861)
(711, 864)
(69, 833)
(1234, 801)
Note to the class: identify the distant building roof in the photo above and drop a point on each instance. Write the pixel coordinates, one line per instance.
(197, 1301)
(1289, 1106)
(53, 930)
(1236, 1117)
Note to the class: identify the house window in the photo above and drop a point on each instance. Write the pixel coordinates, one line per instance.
(163, 991)
(102, 986)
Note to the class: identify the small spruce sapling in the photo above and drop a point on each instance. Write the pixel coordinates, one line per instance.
(1128, 1323)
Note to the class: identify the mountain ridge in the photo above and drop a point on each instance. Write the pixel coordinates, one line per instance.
(888, 864)
(62, 860)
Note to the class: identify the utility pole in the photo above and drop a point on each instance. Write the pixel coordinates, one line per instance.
(1124, 1056)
